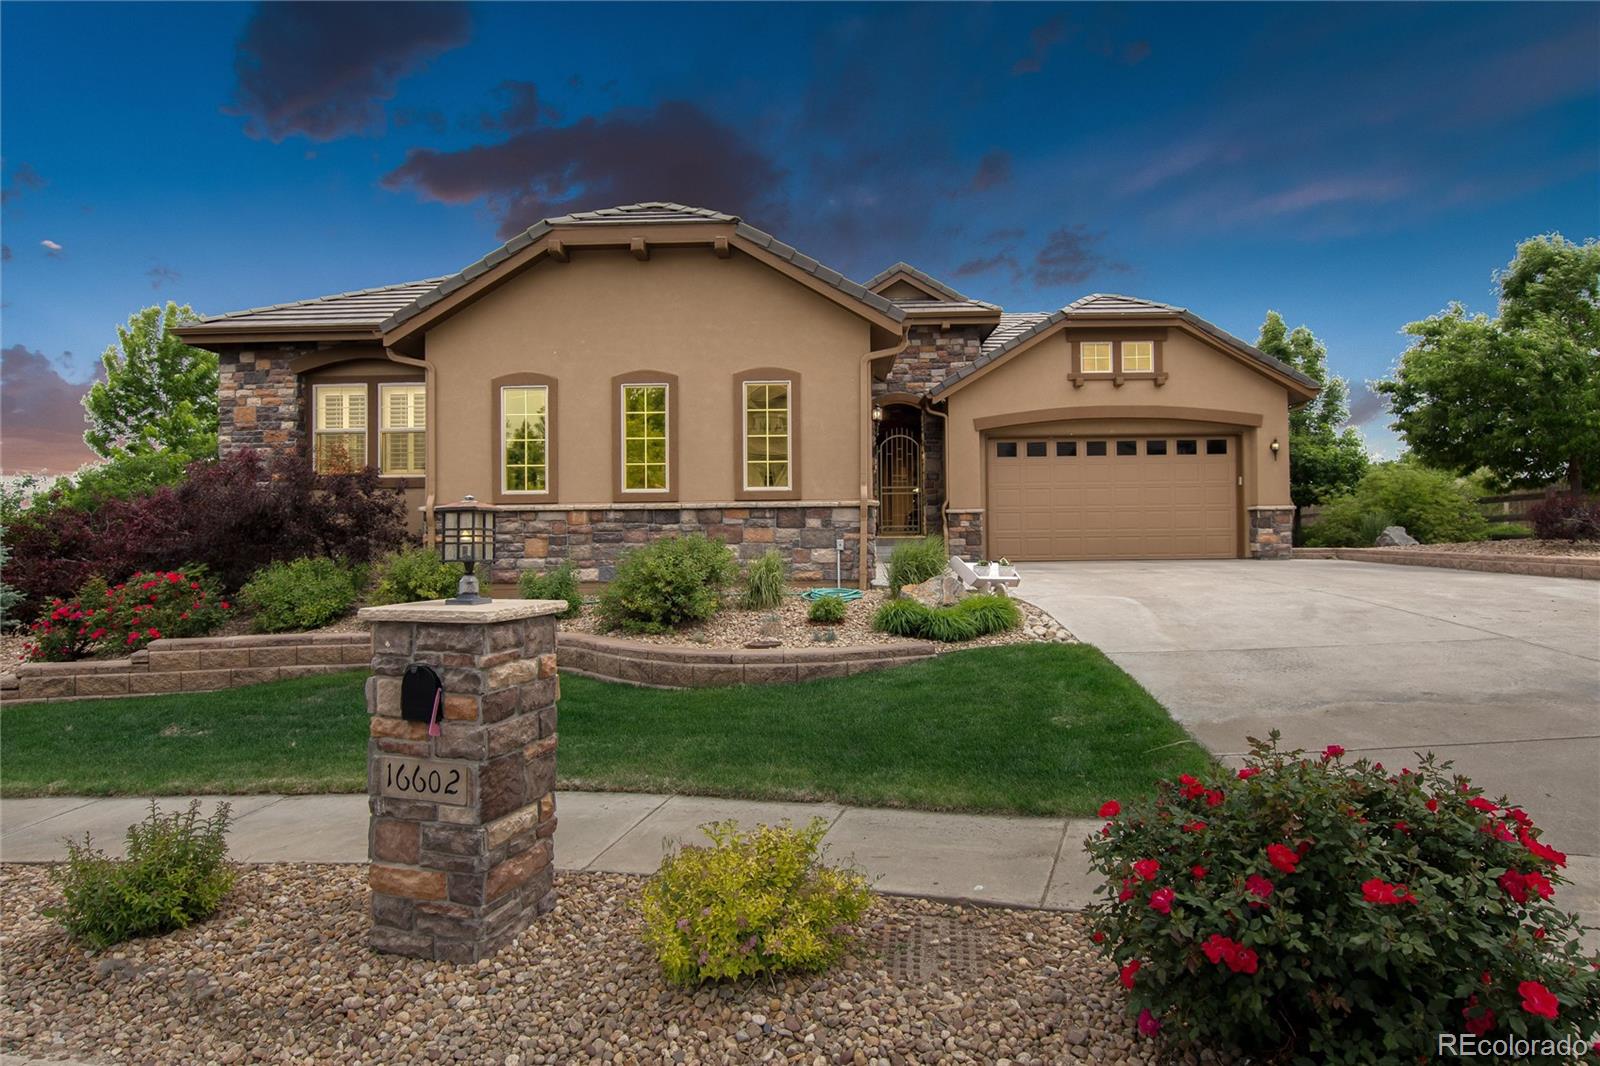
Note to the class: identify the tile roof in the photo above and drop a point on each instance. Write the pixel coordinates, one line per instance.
(928, 280)
(935, 307)
(362, 307)
(1011, 324)
(1011, 336)
(654, 212)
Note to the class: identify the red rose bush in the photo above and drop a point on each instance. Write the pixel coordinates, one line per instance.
(125, 617)
(1312, 908)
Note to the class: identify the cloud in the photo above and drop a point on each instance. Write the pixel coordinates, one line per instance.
(324, 70)
(162, 275)
(428, 118)
(987, 263)
(51, 248)
(522, 110)
(675, 152)
(23, 179)
(1041, 42)
(993, 169)
(1367, 405)
(1070, 256)
(41, 413)
(5, 253)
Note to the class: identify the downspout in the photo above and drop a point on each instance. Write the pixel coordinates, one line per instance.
(864, 403)
(430, 440)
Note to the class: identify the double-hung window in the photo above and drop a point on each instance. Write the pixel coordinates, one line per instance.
(768, 434)
(1138, 357)
(524, 438)
(1095, 357)
(402, 430)
(645, 432)
(339, 428)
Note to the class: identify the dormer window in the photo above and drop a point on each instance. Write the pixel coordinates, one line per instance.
(1096, 357)
(1138, 357)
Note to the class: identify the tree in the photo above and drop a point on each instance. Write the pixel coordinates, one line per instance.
(159, 393)
(1518, 394)
(1326, 457)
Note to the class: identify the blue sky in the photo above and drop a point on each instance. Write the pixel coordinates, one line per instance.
(1352, 166)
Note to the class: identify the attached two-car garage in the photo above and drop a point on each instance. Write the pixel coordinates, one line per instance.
(1113, 497)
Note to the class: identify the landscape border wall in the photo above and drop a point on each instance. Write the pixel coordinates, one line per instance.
(1587, 569)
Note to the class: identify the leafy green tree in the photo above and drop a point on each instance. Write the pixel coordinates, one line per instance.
(1326, 457)
(159, 394)
(1518, 394)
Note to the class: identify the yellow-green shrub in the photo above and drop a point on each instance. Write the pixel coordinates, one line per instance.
(761, 902)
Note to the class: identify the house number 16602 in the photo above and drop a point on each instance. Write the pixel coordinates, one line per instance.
(429, 780)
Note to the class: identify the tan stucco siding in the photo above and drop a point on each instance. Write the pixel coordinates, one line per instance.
(684, 312)
(1200, 379)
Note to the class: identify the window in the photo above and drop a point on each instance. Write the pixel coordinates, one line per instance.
(1155, 447)
(767, 437)
(1096, 447)
(1006, 449)
(1138, 357)
(525, 438)
(1066, 447)
(1095, 357)
(1187, 447)
(1127, 447)
(341, 428)
(1036, 449)
(1217, 447)
(644, 438)
(402, 429)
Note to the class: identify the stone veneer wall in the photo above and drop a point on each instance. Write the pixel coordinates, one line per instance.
(594, 539)
(638, 662)
(1271, 532)
(192, 664)
(931, 355)
(963, 533)
(258, 401)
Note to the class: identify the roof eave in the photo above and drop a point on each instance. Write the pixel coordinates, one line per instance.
(200, 334)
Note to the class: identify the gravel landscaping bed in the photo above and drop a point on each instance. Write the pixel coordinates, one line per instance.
(283, 974)
(734, 627)
(1579, 548)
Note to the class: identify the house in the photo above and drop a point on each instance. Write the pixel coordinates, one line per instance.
(610, 376)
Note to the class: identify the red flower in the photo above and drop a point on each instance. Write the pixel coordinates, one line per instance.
(1192, 788)
(1199, 872)
(1108, 809)
(1217, 947)
(1193, 827)
(1247, 773)
(1539, 884)
(1241, 959)
(1146, 869)
(1127, 890)
(1432, 805)
(97, 634)
(1480, 1024)
(1149, 1024)
(1401, 827)
(153, 633)
(1538, 850)
(1259, 887)
(1382, 893)
(1213, 797)
(1538, 934)
(1515, 885)
(1283, 858)
(1161, 900)
(1126, 976)
(1332, 751)
(1098, 938)
(226, 606)
(1537, 999)
(1520, 816)
(1478, 803)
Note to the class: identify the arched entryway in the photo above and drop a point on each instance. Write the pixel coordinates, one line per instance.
(898, 470)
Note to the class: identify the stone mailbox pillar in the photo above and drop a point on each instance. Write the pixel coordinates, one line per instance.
(463, 823)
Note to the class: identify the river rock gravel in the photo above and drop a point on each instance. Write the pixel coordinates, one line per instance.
(283, 974)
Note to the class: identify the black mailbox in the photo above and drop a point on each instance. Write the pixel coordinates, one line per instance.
(421, 693)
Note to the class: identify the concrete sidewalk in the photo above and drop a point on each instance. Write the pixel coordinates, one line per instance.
(1025, 862)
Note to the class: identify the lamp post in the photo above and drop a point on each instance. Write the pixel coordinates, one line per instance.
(465, 532)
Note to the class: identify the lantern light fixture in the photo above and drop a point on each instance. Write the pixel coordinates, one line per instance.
(465, 534)
(1275, 446)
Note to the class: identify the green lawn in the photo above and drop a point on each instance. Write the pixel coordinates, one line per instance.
(1037, 729)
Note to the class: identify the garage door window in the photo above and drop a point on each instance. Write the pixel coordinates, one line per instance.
(1066, 447)
(1155, 447)
(1217, 447)
(1096, 447)
(1127, 447)
(1036, 449)
(1006, 449)
(1188, 447)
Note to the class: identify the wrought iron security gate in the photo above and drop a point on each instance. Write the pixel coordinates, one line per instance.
(899, 477)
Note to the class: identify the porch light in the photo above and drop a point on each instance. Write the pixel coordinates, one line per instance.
(1275, 446)
(465, 532)
(877, 414)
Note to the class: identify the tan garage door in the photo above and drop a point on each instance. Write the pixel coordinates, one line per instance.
(1113, 497)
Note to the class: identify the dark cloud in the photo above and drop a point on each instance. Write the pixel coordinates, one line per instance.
(993, 169)
(1071, 255)
(1004, 235)
(41, 413)
(675, 152)
(1006, 260)
(5, 253)
(522, 110)
(160, 275)
(1366, 405)
(1041, 42)
(323, 70)
(23, 178)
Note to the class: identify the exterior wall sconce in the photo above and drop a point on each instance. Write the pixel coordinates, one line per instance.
(877, 414)
(1275, 446)
(465, 534)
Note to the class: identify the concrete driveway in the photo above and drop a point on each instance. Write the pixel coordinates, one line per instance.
(1498, 672)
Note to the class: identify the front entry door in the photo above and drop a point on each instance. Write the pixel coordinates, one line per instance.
(899, 470)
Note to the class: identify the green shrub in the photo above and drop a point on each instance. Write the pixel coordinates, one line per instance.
(127, 616)
(752, 903)
(175, 874)
(974, 616)
(991, 613)
(916, 562)
(302, 594)
(902, 617)
(1432, 506)
(1313, 910)
(764, 582)
(827, 610)
(1509, 531)
(416, 574)
(10, 598)
(949, 625)
(558, 584)
(1566, 517)
(667, 584)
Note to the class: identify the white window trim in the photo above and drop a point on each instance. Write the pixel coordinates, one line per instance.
(549, 443)
(316, 419)
(744, 436)
(622, 435)
(1111, 364)
(1122, 357)
(383, 413)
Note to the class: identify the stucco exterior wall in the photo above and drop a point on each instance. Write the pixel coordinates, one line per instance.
(684, 312)
(1199, 377)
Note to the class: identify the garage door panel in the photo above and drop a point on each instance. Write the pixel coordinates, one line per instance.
(1056, 505)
